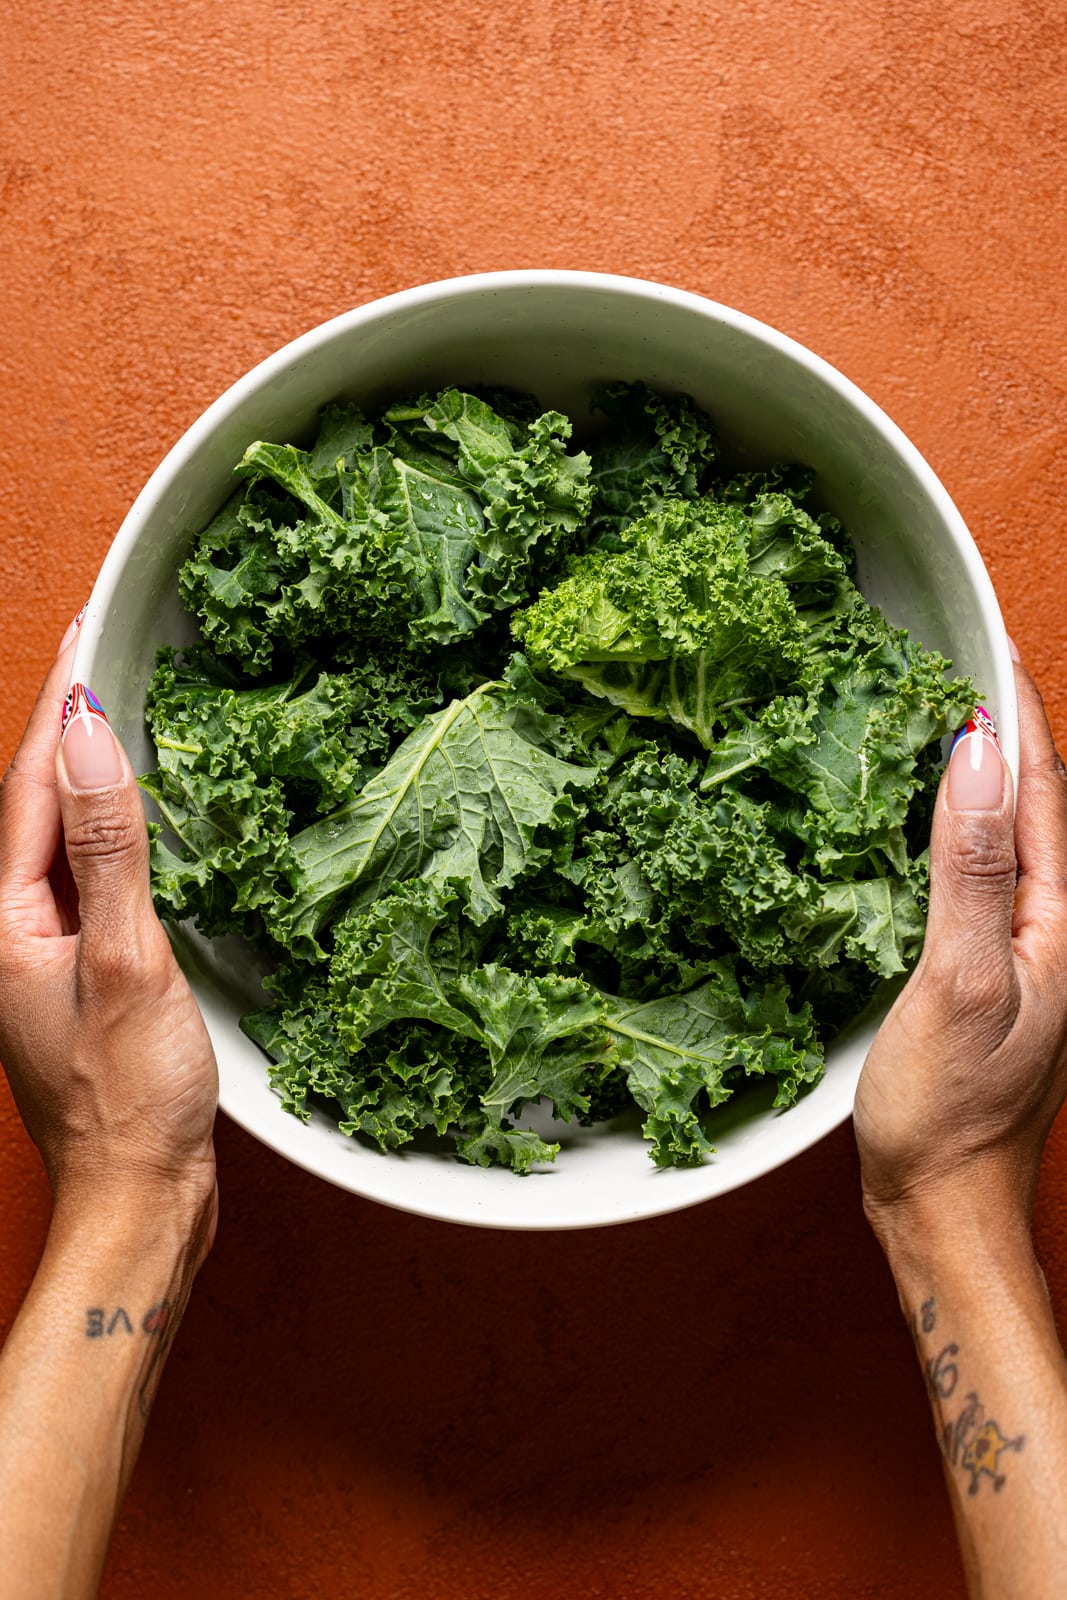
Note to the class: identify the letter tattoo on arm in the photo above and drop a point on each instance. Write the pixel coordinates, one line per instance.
(969, 1439)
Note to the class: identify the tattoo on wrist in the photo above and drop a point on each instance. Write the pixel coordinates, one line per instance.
(99, 1325)
(969, 1439)
(157, 1324)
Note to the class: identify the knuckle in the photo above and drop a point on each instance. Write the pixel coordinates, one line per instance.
(984, 859)
(1048, 773)
(17, 776)
(117, 958)
(1047, 783)
(21, 792)
(107, 836)
(106, 976)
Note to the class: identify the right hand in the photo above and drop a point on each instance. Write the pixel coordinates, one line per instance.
(104, 1046)
(969, 1069)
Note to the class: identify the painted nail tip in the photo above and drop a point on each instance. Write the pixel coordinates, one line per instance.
(72, 630)
(980, 723)
(80, 701)
(89, 750)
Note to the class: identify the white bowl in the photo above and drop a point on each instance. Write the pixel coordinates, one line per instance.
(558, 334)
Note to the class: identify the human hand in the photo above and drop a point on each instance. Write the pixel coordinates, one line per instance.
(105, 1050)
(968, 1071)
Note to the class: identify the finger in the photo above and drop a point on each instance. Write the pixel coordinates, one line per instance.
(1041, 813)
(972, 859)
(105, 836)
(1040, 924)
(29, 806)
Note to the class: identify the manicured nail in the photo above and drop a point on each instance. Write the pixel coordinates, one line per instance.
(1013, 649)
(90, 752)
(73, 629)
(975, 766)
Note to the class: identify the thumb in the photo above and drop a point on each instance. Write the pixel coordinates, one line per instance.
(972, 854)
(104, 829)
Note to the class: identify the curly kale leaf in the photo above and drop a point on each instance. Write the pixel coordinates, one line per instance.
(850, 758)
(531, 492)
(222, 848)
(399, 959)
(657, 447)
(684, 1052)
(294, 559)
(460, 800)
(413, 957)
(407, 967)
(416, 1081)
(673, 876)
(878, 922)
(714, 863)
(241, 769)
(704, 605)
(423, 537)
(676, 624)
(519, 1039)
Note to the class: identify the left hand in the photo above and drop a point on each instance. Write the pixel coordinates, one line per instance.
(104, 1046)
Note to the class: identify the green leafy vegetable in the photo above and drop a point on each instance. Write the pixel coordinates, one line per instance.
(666, 849)
(422, 527)
(684, 1047)
(460, 800)
(657, 447)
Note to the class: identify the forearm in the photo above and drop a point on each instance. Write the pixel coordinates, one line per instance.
(78, 1374)
(978, 1312)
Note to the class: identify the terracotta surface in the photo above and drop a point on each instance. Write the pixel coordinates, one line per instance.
(722, 1403)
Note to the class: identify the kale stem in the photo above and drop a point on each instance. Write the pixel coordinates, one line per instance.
(745, 700)
(721, 777)
(188, 749)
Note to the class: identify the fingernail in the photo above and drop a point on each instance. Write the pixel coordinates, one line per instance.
(1013, 649)
(73, 629)
(90, 752)
(975, 766)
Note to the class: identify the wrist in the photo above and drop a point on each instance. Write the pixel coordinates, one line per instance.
(155, 1220)
(988, 1195)
(953, 1233)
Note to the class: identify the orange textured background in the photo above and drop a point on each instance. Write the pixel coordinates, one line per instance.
(720, 1403)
